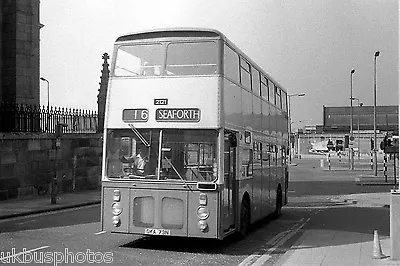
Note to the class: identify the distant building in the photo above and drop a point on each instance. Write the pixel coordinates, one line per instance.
(337, 119)
(19, 51)
(336, 128)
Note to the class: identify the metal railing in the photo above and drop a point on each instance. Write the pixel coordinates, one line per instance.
(31, 118)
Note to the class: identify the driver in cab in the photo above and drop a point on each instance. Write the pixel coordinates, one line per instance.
(138, 162)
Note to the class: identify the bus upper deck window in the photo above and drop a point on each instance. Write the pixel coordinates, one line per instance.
(139, 60)
(192, 58)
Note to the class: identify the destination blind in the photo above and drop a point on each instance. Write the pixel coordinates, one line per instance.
(178, 115)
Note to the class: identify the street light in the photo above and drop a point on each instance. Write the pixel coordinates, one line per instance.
(48, 103)
(375, 156)
(351, 155)
(359, 104)
(48, 91)
(290, 123)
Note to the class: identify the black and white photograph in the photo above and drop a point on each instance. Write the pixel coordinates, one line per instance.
(195, 132)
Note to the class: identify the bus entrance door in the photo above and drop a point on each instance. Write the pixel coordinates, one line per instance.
(229, 182)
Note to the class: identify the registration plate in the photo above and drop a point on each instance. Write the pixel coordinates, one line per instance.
(157, 232)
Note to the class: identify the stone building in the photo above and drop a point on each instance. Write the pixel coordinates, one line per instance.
(19, 51)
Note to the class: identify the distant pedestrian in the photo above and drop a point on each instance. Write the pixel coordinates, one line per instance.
(339, 154)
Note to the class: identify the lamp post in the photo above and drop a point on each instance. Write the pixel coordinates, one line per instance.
(375, 155)
(48, 91)
(359, 104)
(351, 155)
(290, 124)
(48, 102)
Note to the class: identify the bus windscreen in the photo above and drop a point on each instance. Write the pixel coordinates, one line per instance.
(188, 155)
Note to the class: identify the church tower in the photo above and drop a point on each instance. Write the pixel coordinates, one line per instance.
(19, 51)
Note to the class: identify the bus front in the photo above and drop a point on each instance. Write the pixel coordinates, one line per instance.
(162, 135)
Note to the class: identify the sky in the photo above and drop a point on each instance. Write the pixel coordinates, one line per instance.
(308, 46)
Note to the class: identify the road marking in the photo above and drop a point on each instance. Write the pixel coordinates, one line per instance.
(101, 232)
(265, 257)
(256, 259)
(25, 222)
(23, 252)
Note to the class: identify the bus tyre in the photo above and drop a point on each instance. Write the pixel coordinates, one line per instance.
(244, 218)
(278, 207)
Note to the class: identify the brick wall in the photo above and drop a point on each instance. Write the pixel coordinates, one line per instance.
(28, 162)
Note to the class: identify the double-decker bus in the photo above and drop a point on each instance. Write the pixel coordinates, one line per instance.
(195, 138)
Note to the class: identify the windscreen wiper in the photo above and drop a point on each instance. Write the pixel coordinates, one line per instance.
(194, 173)
(176, 171)
(140, 136)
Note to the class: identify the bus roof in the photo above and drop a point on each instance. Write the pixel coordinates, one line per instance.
(190, 32)
(170, 32)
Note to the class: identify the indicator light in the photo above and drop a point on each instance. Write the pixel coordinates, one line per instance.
(203, 199)
(117, 195)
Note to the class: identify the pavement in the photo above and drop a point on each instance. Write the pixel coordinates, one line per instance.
(336, 247)
(313, 247)
(40, 204)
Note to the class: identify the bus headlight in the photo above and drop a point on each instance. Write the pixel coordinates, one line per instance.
(202, 225)
(117, 208)
(116, 221)
(202, 213)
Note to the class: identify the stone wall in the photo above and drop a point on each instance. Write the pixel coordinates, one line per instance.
(29, 162)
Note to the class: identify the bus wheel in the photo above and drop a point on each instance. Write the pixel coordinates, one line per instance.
(244, 218)
(278, 207)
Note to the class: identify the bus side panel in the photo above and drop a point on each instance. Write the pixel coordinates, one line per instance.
(286, 186)
(273, 178)
(212, 220)
(108, 194)
(257, 189)
(232, 104)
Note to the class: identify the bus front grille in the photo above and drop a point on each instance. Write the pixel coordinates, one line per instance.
(159, 212)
